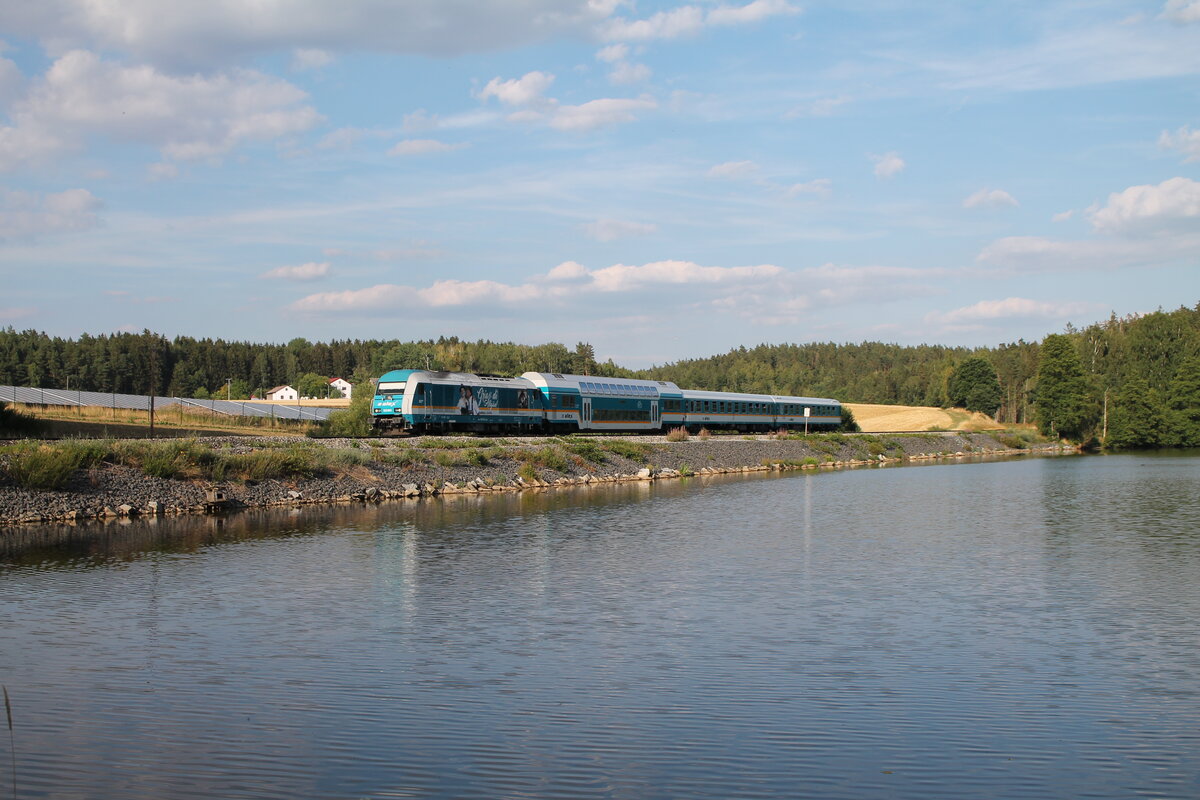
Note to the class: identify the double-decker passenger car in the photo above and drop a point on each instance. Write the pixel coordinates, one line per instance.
(589, 403)
(436, 402)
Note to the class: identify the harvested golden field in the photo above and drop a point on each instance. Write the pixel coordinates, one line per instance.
(872, 418)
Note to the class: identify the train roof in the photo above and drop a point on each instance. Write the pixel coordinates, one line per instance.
(632, 387)
(739, 397)
(810, 401)
(465, 378)
(701, 394)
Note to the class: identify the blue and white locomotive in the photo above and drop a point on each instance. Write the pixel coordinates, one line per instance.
(424, 401)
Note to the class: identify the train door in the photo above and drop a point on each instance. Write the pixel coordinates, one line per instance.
(655, 417)
(587, 413)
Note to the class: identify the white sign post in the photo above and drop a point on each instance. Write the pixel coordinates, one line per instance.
(807, 414)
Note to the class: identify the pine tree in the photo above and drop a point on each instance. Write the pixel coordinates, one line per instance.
(1064, 404)
(974, 386)
(1135, 417)
(1183, 403)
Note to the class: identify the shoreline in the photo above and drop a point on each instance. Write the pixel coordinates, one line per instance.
(388, 469)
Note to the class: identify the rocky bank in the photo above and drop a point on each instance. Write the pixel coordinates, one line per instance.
(112, 490)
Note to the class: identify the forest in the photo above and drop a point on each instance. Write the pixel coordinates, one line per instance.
(1127, 381)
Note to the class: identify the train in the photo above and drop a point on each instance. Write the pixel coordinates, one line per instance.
(431, 402)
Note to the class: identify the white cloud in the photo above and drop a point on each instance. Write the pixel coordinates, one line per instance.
(162, 171)
(1183, 11)
(466, 293)
(1041, 254)
(27, 214)
(990, 198)
(599, 113)
(734, 170)
(341, 138)
(1063, 216)
(613, 53)
(523, 91)
(441, 294)
(14, 313)
(563, 282)
(625, 73)
(306, 58)
(888, 164)
(184, 117)
(682, 21)
(623, 277)
(822, 107)
(752, 12)
(821, 187)
(416, 147)
(311, 271)
(11, 82)
(606, 230)
(1105, 51)
(568, 271)
(1185, 140)
(1008, 308)
(198, 33)
(1172, 204)
(690, 20)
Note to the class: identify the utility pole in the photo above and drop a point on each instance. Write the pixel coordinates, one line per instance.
(152, 382)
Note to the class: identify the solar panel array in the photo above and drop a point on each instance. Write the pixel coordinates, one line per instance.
(141, 402)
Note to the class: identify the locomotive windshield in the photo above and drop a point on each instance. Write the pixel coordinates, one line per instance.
(391, 389)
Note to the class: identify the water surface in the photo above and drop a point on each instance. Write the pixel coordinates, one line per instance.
(1026, 628)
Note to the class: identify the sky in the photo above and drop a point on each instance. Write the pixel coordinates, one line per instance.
(664, 180)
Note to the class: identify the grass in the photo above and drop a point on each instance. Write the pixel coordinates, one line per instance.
(548, 457)
(679, 434)
(171, 416)
(40, 466)
(454, 443)
(50, 466)
(634, 451)
(586, 449)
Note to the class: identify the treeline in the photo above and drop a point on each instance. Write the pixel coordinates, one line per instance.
(1129, 381)
(144, 363)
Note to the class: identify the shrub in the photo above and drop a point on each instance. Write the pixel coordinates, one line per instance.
(528, 472)
(686, 470)
(587, 449)
(294, 462)
(15, 422)
(404, 458)
(476, 458)
(447, 459)
(354, 421)
(679, 434)
(551, 457)
(41, 466)
(634, 451)
(704, 433)
(348, 456)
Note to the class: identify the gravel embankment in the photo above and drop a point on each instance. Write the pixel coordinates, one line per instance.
(105, 490)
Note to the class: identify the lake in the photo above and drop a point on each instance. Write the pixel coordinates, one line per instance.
(1024, 628)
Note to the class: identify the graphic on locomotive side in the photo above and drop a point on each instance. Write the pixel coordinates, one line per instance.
(424, 401)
